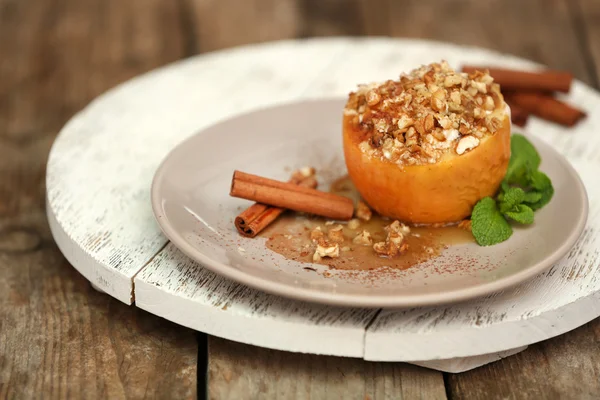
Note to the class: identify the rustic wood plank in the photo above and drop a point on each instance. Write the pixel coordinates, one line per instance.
(242, 371)
(586, 19)
(330, 18)
(564, 367)
(178, 289)
(218, 24)
(567, 365)
(539, 30)
(58, 336)
(60, 56)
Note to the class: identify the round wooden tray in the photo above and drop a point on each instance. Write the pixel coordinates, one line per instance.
(98, 204)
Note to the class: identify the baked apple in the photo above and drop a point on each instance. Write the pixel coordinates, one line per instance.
(426, 148)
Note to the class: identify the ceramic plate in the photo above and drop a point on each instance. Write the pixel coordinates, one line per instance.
(190, 198)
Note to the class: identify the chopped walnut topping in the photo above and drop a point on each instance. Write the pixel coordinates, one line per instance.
(326, 249)
(394, 242)
(353, 223)
(452, 80)
(336, 234)
(373, 98)
(329, 222)
(423, 115)
(480, 86)
(363, 238)
(489, 104)
(389, 248)
(316, 234)
(467, 143)
(363, 211)
(398, 227)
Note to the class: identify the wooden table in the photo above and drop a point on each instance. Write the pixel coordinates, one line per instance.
(59, 336)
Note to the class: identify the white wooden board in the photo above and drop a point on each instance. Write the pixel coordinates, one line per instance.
(101, 166)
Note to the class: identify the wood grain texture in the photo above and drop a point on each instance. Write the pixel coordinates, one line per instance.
(172, 285)
(58, 337)
(87, 49)
(562, 368)
(240, 371)
(555, 301)
(61, 338)
(586, 19)
(50, 47)
(273, 69)
(247, 22)
(539, 30)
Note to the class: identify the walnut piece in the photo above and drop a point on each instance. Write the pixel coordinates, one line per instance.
(466, 143)
(304, 176)
(394, 242)
(363, 211)
(354, 223)
(405, 121)
(336, 234)
(326, 249)
(363, 238)
(316, 234)
(389, 248)
(398, 227)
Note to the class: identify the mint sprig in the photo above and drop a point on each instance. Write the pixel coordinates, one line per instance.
(524, 190)
(488, 224)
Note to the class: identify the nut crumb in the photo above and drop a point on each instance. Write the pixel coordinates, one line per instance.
(363, 211)
(329, 222)
(353, 223)
(404, 121)
(467, 143)
(363, 238)
(326, 249)
(398, 227)
(394, 242)
(316, 234)
(336, 234)
(304, 175)
(389, 249)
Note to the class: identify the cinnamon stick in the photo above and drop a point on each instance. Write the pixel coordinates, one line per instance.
(518, 115)
(545, 106)
(545, 81)
(290, 196)
(258, 216)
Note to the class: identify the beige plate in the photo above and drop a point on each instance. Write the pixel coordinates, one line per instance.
(190, 199)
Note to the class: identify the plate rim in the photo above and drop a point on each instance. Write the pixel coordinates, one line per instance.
(363, 301)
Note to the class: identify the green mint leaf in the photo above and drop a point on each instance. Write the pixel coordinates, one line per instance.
(532, 197)
(521, 214)
(510, 198)
(487, 223)
(541, 183)
(523, 159)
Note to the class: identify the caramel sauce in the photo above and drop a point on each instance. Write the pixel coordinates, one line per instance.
(290, 237)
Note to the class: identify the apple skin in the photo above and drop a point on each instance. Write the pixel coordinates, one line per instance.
(444, 192)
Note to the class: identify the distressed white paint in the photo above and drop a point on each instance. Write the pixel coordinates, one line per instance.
(178, 289)
(556, 301)
(101, 165)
